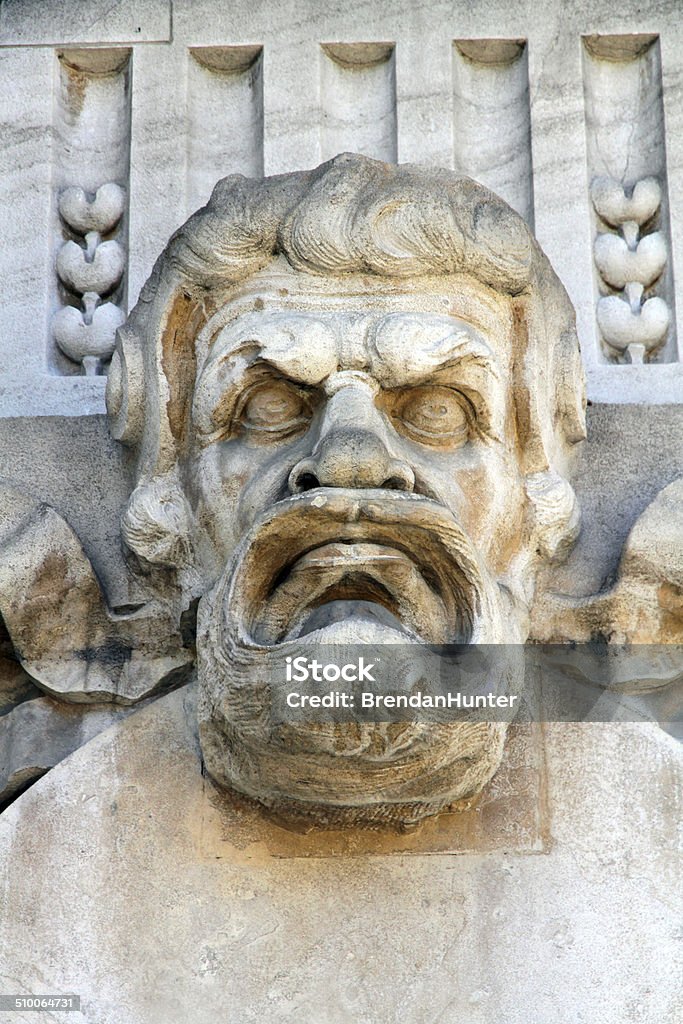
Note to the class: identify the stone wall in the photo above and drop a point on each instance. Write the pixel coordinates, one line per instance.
(162, 102)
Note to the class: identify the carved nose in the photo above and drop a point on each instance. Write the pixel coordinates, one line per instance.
(351, 458)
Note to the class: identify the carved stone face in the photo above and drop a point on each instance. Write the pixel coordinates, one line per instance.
(356, 472)
(348, 387)
(352, 393)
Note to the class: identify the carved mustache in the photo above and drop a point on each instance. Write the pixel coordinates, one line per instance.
(409, 549)
(402, 552)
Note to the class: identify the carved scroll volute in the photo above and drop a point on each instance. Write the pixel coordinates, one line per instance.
(125, 389)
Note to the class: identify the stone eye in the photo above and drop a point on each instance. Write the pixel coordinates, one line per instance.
(434, 415)
(274, 407)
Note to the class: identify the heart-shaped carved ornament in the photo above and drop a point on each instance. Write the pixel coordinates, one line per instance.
(615, 207)
(621, 327)
(98, 275)
(620, 265)
(102, 213)
(78, 340)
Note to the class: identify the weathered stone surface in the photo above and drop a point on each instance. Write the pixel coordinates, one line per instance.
(348, 428)
(62, 630)
(73, 465)
(630, 454)
(574, 118)
(29, 22)
(113, 859)
(645, 603)
(40, 733)
(15, 684)
(355, 428)
(455, 90)
(614, 483)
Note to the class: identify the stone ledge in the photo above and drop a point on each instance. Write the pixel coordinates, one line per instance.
(35, 23)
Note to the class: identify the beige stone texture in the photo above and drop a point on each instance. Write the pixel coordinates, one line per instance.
(120, 882)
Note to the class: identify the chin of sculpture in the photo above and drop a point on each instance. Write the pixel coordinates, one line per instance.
(334, 571)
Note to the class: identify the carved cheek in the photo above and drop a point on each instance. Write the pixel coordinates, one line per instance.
(479, 500)
(503, 526)
(490, 503)
(237, 482)
(230, 488)
(264, 485)
(218, 493)
(257, 478)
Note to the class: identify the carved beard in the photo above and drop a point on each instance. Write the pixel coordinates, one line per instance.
(345, 567)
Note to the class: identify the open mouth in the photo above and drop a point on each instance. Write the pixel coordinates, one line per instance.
(341, 581)
(324, 560)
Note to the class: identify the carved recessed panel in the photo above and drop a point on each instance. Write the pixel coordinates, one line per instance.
(628, 188)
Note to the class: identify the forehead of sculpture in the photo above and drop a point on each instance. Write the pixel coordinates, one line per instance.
(353, 303)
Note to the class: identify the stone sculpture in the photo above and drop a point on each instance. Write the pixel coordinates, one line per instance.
(352, 394)
(351, 397)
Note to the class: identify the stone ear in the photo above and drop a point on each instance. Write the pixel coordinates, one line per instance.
(557, 518)
(125, 395)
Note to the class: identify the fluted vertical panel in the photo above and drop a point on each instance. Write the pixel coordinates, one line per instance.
(491, 119)
(291, 105)
(157, 174)
(424, 97)
(561, 214)
(224, 117)
(25, 193)
(358, 100)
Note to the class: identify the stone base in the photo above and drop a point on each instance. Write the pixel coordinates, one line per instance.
(127, 880)
(510, 815)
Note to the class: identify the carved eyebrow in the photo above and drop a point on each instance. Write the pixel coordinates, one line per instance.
(405, 349)
(412, 346)
(411, 349)
(301, 348)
